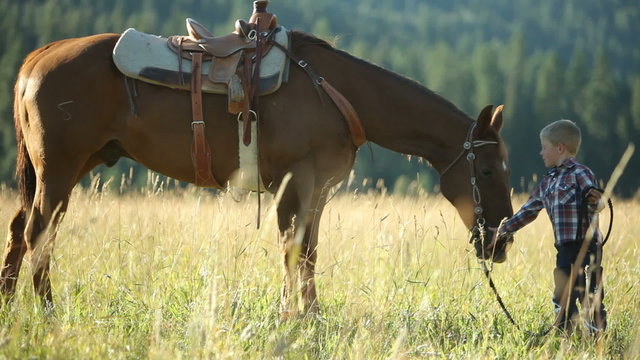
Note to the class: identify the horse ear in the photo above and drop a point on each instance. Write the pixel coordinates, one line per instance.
(496, 119)
(484, 119)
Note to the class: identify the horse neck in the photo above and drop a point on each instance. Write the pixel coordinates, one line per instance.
(399, 114)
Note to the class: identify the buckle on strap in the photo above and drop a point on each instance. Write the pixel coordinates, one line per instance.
(196, 122)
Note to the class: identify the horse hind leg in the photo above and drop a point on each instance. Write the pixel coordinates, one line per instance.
(16, 246)
(14, 253)
(49, 206)
(48, 210)
(25, 235)
(54, 184)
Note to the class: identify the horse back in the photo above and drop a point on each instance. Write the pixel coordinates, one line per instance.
(66, 50)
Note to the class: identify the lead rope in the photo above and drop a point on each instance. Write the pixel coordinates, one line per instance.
(487, 273)
(254, 99)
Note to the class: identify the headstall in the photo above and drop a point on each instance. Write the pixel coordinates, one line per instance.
(468, 148)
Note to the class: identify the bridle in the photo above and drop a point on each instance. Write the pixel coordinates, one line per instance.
(468, 148)
(478, 230)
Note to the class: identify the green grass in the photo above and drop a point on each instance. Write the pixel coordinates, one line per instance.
(184, 274)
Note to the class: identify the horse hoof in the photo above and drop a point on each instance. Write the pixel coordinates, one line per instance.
(313, 311)
(287, 315)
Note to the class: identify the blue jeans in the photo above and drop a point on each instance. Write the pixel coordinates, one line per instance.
(587, 287)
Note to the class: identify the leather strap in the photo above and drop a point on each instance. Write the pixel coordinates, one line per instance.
(251, 81)
(350, 115)
(200, 150)
(246, 105)
(348, 112)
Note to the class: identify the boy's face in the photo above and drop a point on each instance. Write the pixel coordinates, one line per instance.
(552, 155)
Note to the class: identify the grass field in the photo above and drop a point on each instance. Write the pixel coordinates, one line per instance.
(184, 274)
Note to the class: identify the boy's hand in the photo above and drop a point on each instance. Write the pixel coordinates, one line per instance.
(594, 197)
(495, 237)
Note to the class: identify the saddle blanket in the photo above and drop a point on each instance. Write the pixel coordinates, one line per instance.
(148, 58)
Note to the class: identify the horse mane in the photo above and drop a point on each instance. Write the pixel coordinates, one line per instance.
(300, 39)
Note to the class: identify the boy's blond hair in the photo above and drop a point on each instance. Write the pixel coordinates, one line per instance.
(563, 132)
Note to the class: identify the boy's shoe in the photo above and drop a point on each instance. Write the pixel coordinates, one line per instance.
(594, 330)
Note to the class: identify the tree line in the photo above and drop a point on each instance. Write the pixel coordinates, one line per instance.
(545, 60)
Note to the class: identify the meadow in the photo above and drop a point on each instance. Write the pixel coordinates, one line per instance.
(184, 274)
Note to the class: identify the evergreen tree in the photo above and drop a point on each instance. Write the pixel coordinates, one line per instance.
(597, 103)
(576, 81)
(514, 94)
(488, 78)
(635, 104)
(549, 99)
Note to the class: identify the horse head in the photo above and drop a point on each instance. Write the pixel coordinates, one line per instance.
(476, 182)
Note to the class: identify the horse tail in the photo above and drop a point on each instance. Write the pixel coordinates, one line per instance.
(25, 172)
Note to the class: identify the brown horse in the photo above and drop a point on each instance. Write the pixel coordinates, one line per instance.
(72, 113)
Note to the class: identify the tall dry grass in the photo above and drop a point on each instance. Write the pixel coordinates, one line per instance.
(185, 274)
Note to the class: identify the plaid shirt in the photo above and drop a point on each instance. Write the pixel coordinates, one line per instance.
(559, 192)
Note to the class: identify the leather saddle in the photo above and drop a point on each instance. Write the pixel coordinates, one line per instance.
(147, 57)
(225, 53)
(241, 64)
(201, 39)
(236, 58)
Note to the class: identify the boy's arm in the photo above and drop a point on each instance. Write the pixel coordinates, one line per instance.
(527, 213)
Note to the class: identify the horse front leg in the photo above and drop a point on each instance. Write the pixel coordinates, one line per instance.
(288, 298)
(308, 257)
(292, 223)
(15, 250)
(308, 287)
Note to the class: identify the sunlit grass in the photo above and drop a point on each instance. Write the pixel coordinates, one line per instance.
(185, 274)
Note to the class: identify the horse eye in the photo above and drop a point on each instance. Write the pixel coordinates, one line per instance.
(486, 172)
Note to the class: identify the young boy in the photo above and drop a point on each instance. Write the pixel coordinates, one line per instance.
(560, 192)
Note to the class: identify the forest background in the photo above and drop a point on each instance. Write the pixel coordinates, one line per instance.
(546, 60)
